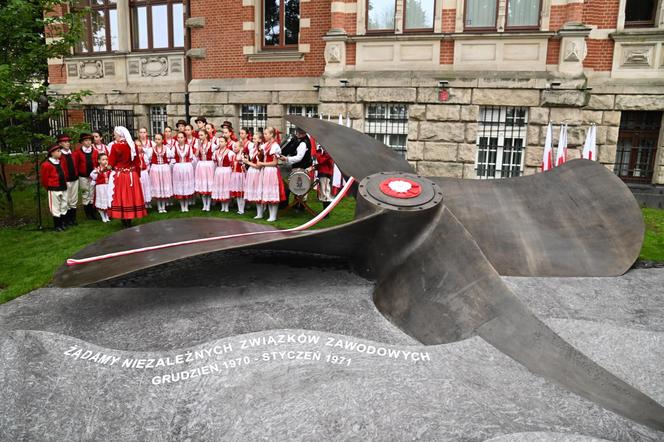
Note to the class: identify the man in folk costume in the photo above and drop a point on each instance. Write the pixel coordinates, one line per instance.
(200, 125)
(71, 176)
(52, 178)
(126, 192)
(86, 161)
(297, 154)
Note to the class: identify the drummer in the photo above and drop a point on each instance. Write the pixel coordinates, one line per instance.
(298, 156)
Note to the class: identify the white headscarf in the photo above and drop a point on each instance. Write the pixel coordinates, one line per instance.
(124, 133)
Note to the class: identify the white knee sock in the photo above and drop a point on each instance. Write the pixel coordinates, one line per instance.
(183, 204)
(240, 206)
(273, 208)
(260, 209)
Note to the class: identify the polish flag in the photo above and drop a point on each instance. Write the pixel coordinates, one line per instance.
(547, 160)
(561, 153)
(590, 146)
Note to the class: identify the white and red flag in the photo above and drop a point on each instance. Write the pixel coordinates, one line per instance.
(590, 146)
(547, 159)
(561, 153)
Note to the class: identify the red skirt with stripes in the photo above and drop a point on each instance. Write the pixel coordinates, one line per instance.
(128, 202)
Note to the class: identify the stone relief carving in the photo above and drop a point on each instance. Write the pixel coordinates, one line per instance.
(333, 53)
(72, 70)
(637, 56)
(176, 65)
(90, 69)
(109, 68)
(575, 51)
(154, 66)
(133, 67)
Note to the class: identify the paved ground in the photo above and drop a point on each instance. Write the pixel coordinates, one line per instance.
(309, 357)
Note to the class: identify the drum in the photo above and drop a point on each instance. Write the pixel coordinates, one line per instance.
(299, 182)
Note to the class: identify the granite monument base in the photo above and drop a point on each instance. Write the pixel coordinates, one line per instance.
(299, 352)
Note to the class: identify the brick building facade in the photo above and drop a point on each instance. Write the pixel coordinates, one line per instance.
(462, 88)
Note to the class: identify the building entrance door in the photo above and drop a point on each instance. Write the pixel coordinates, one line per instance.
(637, 146)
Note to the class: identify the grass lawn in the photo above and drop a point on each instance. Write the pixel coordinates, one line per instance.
(29, 257)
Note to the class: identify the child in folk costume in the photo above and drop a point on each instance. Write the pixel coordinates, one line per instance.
(252, 182)
(98, 144)
(221, 190)
(238, 175)
(324, 167)
(212, 132)
(272, 186)
(125, 184)
(52, 177)
(201, 122)
(71, 176)
(86, 160)
(183, 172)
(205, 169)
(169, 140)
(100, 177)
(148, 146)
(161, 178)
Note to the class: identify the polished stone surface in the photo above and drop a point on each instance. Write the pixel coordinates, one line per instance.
(392, 388)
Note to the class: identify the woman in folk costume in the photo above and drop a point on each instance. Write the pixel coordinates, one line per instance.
(86, 158)
(161, 178)
(221, 189)
(52, 177)
(252, 182)
(183, 172)
(148, 146)
(212, 133)
(191, 141)
(241, 151)
(205, 169)
(169, 140)
(145, 174)
(272, 186)
(125, 183)
(98, 144)
(100, 177)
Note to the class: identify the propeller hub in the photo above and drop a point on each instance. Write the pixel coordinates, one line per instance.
(400, 191)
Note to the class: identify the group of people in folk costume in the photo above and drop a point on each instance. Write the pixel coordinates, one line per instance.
(120, 180)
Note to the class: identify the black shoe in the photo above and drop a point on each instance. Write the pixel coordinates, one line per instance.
(72, 218)
(66, 219)
(126, 223)
(57, 224)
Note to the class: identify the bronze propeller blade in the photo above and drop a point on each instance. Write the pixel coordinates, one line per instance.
(435, 279)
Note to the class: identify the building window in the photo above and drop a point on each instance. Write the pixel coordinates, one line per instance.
(637, 146)
(500, 141)
(158, 119)
(157, 24)
(281, 23)
(380, 15)
(640, 13)
(100, 27)
(306, 110)
(419, 14)
(253, 117)
(388, 123)
(480, 14)
(523, 14)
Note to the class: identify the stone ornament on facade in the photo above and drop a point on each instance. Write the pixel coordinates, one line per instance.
(90, 69)
(176, 65)
(333, 53)
(154, 66)
(134, 67)
(637, 56)
(575, 51)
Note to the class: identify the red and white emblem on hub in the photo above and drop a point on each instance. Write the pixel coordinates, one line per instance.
(400, 188)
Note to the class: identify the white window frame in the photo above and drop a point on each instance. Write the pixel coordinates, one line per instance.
(157, 126)
(305, 110)
(385, 129)
(255, 121)
(493, 124)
